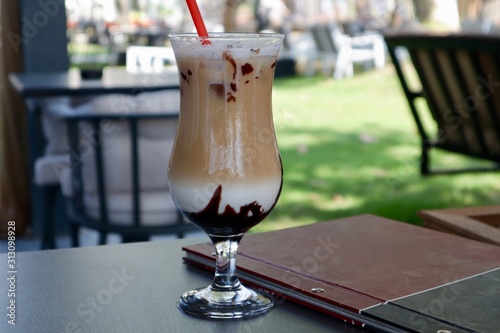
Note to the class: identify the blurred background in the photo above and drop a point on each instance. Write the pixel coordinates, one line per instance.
(99, 30)
(349, 144)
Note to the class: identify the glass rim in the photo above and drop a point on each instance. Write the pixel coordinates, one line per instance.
(227, 35)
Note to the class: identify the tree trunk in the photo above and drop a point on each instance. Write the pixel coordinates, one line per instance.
(423, 9)
(470, 9)
(439, 13)
(123, 9)
(229, 18)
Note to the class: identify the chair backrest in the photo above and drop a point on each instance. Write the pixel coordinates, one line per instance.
(124, 158)
(460, 78)
(322, 38)
(119, 166)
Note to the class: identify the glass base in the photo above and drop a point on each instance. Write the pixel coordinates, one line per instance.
(213, 304)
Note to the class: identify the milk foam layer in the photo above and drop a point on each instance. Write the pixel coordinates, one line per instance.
(266, 44)
(194, 197)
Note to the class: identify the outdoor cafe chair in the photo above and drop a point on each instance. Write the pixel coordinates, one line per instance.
(336, 48)
(148, 59)
(459, 75)
(54, 159)
(117, 179)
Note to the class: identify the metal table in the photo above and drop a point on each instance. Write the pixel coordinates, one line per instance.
(129, 288)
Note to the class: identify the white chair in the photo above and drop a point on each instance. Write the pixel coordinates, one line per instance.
(340, 51)
(148, 59)
(367, 49)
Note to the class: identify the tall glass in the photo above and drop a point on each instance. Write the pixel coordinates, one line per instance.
(225, 171)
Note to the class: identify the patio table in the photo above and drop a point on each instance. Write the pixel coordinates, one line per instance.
(130, 288)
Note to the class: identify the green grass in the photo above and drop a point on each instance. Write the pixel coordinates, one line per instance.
(351, 147)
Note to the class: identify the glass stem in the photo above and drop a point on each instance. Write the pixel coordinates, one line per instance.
(226, 278)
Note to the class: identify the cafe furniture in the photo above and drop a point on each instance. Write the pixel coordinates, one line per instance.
(479, 223)
(459, 76)
(70, 91)
(131, 288)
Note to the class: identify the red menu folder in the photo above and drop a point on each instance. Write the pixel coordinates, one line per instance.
(374, 272)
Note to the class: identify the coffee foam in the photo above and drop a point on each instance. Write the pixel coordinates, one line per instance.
(193, 197)
(238, 45)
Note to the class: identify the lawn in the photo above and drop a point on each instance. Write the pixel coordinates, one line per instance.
(351, 147)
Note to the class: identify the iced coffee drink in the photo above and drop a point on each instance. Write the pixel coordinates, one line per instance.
(225, 171)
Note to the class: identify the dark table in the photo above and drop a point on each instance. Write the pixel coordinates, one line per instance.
(113, 80)
(129, 288)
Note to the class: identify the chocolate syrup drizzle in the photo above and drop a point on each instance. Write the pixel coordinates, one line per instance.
(228, 222)
(231, 60)
(219, 88)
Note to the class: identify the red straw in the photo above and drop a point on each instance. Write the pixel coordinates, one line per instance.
(198, 20)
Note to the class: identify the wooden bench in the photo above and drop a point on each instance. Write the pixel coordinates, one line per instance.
(478, 223)
(460, 80)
